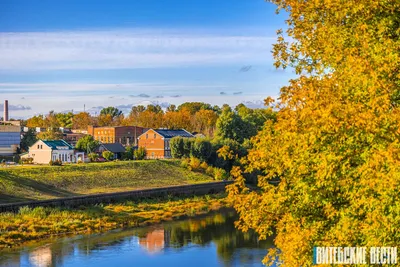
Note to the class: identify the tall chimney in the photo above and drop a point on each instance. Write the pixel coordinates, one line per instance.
(5, 110)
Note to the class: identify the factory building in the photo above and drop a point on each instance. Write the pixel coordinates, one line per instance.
(10, 134)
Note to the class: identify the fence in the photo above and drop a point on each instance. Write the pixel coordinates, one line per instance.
(183, 190)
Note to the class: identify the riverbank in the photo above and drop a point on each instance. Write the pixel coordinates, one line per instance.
(25, 183)
(38, 223)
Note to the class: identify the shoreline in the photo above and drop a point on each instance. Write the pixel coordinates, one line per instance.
(35, 224)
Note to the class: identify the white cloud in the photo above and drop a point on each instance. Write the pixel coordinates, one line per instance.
(127, 49)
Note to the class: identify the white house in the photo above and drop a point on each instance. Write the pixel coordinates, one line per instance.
(43, 151)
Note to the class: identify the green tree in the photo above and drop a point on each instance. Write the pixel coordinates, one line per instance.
(65, 119)
(230, 126)
(28, 139)
(335, 145)
(201, 149)
(129, 152)
(87, 144)
(187, 146)
(177, 147)
(108, 155)
(112, 111)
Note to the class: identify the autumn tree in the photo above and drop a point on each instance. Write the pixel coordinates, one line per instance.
(194, 107)
(204, 121)
(50, 134)
(81, 120)
(180, 119)
(51, 120)
(36, 121)
(335, 146)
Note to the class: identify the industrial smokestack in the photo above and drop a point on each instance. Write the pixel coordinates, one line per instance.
(5, 110)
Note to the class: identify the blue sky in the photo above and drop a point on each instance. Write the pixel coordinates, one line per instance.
(62, 55)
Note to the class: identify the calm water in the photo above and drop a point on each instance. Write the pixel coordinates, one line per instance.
(206, 241)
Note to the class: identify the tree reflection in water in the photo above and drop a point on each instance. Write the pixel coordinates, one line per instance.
(214, 229)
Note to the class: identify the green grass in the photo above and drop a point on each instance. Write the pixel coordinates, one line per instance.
(39, 223)
(25, 183)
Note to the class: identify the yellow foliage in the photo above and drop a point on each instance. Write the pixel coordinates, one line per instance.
(335, 146)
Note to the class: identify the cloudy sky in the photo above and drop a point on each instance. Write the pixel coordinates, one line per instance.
(67, 55)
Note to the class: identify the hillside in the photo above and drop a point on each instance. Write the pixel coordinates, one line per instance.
(45, 182)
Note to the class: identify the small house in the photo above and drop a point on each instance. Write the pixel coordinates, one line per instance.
(116, 148)
(44, 151)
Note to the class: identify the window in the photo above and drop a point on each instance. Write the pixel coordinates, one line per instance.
(38, 146)
(147, 136)
(155, 136)
(41, 146)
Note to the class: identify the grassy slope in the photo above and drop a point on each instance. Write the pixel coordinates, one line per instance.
(44, 182)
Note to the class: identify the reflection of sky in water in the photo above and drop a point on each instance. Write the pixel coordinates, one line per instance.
(208, 241)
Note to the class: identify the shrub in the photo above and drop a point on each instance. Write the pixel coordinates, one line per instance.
(204, 166)
(93, 156)
(220, 174)
(185, 163)
(107, 155)
(140, 153)
(210, 171)
(194, 164)
(56, 162)
(129, 153)
(26, 161)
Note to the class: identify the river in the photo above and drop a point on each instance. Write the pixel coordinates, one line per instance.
(210, 240)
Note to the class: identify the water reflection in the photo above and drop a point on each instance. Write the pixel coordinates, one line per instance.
(206, 241)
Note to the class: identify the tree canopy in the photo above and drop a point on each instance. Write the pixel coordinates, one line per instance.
(336, 144)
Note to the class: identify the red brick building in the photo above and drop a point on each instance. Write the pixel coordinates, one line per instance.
(125, 135)
(156, 142)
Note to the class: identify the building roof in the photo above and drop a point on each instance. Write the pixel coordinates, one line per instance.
(114, 147)
(172, 133)
(57, 144)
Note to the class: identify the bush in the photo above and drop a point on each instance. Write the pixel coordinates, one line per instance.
(220, 174)
(140, 153)
(108, 155)
(26, 161)
(210, 171)
(194, 164)
(93, 156)
(204, 166)
(129, 153)
(185, 163)
(56, 162)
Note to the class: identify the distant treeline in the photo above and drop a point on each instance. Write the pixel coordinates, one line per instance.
(192, 116)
